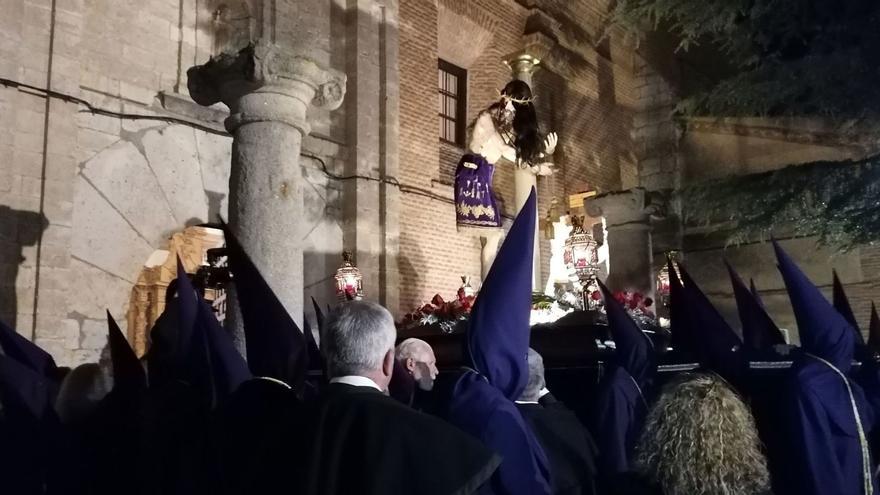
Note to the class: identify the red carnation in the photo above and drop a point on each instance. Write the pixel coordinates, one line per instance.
(467, 304)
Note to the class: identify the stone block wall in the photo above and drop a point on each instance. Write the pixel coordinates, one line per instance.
(87, 197)
(714, 148)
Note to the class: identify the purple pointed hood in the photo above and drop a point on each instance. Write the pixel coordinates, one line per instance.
(319, 315)
(754, 291)
(498, 334)
(211, 361)
(874, 331)
(759, 331)
(128, 374)
(718, 347)
(678, 316)
(26, 352)
(316, 360)
(823, 331)
(275, 345)
(841, 304)
(24, 390)
(633, 351)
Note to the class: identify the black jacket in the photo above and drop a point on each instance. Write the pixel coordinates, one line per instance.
(569, 447)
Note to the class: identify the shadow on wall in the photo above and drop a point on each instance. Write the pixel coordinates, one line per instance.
(412, 263)
(319, 282)
(18, 229)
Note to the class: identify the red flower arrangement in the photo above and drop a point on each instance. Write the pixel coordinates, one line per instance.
(634, 301)
(442, 312)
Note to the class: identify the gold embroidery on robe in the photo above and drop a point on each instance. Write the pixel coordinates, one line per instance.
(476, 211)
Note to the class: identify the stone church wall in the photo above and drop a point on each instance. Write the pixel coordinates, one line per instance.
(714, 148)
(86, 198)
(96, 177)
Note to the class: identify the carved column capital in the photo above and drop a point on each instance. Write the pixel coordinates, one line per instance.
(266, 82)
(523, 63)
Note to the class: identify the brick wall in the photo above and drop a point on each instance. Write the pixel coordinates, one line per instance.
(593, 116)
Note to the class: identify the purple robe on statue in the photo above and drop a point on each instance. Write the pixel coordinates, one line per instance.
(474, 200)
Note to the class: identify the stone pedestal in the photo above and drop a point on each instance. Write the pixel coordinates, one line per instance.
(268, 90)
(628, 224)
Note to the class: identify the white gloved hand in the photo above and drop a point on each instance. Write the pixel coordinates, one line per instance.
(550, 143)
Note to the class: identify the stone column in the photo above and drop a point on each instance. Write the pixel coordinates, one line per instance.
(268, 90)
(628, 223)
(523, 65)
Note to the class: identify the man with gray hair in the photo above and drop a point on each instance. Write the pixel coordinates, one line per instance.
(362, 441)
(569, 446)
(418, 359)
(358, 345)
(414, 373)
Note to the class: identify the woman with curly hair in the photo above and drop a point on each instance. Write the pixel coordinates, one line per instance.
(699, 439)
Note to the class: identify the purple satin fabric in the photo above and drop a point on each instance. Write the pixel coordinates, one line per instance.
(475, 204)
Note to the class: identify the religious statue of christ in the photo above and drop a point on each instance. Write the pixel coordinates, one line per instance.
(508, 128)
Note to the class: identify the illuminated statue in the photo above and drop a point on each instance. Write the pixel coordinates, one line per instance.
(509, 129)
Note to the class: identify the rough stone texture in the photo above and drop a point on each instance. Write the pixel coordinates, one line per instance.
(113, 189)
(124, 177)
(268, 88)
(720, 147)
(174, 160)
(322, 233)
(713, 148)
(627, 223)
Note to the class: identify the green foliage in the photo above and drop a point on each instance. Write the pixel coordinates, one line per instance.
(837, 201)
(791, 57)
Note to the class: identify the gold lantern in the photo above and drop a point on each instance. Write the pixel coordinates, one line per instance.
(581, 258)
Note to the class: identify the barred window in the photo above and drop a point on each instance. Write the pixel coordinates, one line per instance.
(452, 98)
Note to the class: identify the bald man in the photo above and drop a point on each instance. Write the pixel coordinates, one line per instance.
(414, 373)
(418, 359)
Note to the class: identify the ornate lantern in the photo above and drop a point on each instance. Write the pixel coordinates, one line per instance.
(581, 257)
(349, 285)
(663, 278)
